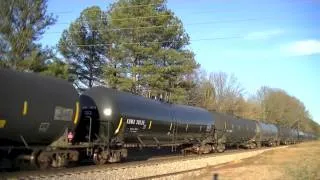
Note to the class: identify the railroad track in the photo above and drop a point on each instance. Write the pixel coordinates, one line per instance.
(156, 167)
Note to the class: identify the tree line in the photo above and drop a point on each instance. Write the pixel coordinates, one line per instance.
(221, 92)
(139, 46)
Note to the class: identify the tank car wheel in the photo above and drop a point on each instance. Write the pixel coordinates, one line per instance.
(220, 148)
(253, 145)
(237, 146)
(100, 157)
(43, 161)
(184, 152)
(258, 144)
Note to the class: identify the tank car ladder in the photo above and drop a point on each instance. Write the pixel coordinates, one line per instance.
(174, 129)
(89, 150)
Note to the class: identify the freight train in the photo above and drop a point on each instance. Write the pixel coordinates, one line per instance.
(44, 121)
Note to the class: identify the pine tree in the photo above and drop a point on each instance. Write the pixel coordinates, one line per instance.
(80, 46)
(148, 52)
(22, 22)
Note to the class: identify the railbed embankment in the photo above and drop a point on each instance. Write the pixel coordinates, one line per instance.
(171, 169)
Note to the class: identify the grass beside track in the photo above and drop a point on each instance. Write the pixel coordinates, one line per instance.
(297, 162)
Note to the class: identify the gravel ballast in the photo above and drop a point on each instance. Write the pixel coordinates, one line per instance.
(161, 170)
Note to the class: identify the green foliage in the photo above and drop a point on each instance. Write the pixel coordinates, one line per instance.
(148, 55)
(57, 69)
(77, 45)
(22, 23)
(140, 49)
(36, 60)
(3, 64)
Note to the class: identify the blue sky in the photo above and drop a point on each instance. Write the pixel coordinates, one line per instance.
(275, 43)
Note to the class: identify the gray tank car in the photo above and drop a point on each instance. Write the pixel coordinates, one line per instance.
(244, 131)
(302, 136)
(268, 134)
(236, 131)
(285, 136)
(294, 133)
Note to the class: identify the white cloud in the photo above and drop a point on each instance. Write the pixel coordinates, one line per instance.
(261, 35)
(303, 48)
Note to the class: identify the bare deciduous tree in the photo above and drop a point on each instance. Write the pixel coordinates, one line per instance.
(228, 92)
(223, 93)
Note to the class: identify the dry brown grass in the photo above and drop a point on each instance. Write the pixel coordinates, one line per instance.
(297, 162)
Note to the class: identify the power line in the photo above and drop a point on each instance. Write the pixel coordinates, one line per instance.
(62, 12)
(121, 19)
(138, 6)
(155, 4)
(187, 24)
(159, 42)
(154, 16)
(119, 7)
(147, 17)
(141, 17)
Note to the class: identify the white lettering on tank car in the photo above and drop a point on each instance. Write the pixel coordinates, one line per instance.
(140, 122)
(134, 125)
(131, 121)
(136, 122)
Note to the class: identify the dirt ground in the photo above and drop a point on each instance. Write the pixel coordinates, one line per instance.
(301, 162)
